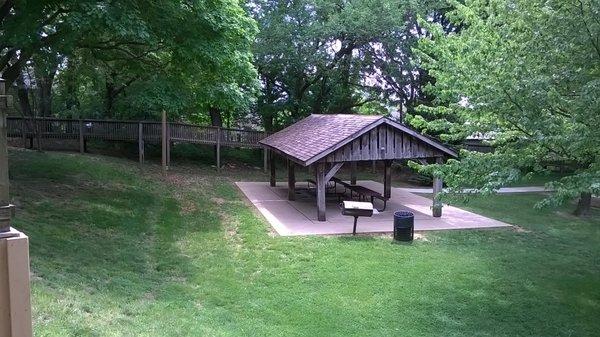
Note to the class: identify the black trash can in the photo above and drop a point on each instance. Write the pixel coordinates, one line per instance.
(404, 226)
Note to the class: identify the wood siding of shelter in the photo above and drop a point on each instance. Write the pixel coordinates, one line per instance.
(382, 143)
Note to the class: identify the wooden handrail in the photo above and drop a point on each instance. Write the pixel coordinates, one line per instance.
(128, 130)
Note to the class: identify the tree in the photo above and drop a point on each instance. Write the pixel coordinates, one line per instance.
(526, 73)
(323, 56)
(196, 47)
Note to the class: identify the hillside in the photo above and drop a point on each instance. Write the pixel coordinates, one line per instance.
(116, 251)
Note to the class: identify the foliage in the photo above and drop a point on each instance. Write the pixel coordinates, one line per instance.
(180, 56)
(527, 74)
(322, 56)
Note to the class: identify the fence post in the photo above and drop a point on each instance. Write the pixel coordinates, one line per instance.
(81, 139)
(164, 143)
(218, 149)
(24, 131)
(141, 142)
(168, 144)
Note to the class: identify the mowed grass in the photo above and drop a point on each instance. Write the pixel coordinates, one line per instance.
(120, 252)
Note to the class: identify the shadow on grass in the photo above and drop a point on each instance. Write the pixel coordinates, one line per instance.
(103, 239)
(114, 254)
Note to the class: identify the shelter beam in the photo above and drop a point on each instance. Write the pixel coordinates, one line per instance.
(321, 202)
(291, 180)
(273, 178)
(387, 179)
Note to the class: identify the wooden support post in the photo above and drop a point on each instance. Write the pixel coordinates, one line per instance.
(373, 166)
(273, 178)
(438, 185)
(333, 170)
(5, 103)
(81, 137)
(15, 298)
(141, 142)
(321, 202)
(353, 167)
(291, 180)
(164, 142)
(265, 159)
(219, 149)
(168, 145)
(387, 179)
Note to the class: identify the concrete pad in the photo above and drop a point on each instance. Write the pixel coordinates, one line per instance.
(299, 217)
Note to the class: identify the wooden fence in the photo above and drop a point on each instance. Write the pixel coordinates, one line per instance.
(130, 131)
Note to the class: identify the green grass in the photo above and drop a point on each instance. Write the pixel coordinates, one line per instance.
(539, 179)
(119, 252)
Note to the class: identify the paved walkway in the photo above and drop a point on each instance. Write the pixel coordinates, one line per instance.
(300, 217)
(524, 189)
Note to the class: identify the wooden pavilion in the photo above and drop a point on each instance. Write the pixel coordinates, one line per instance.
(327, 142)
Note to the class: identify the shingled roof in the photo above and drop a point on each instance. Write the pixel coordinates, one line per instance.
(315, 136)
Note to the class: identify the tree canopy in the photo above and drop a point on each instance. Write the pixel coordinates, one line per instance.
(527, 75)
(183, 56)
(323, 56)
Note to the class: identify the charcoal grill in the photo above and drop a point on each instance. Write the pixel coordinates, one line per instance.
(356, 209)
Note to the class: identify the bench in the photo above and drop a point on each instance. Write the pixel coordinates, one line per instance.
(367, 193)
(362, 192)
(314, 183)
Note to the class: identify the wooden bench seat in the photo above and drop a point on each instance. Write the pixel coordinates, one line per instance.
(310, 182)
(362, 193)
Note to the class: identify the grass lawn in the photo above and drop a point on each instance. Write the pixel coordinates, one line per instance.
(119, 252)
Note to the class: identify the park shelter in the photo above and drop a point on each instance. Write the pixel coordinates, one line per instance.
(327, 142)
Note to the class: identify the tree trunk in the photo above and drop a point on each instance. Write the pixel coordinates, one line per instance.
(109, 99)
(268, 122)
(23, 95)
(215, 117)
(71, 100)
(584, 204)
(45, 92)
(216, 120)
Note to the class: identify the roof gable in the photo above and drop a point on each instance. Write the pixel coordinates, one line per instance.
(317, 136)
(316, 133)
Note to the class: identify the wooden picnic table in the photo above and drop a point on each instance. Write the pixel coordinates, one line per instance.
(362, 192)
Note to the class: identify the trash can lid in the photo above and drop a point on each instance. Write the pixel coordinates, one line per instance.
(403, 214)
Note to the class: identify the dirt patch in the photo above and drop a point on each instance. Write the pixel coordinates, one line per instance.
(218, 201)
(181, 179)
(231, 227)
(187, 207)
(520, 229)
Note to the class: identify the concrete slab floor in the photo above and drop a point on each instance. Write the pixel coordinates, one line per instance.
(299, 217)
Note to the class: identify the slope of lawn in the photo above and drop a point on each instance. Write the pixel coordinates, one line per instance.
(120, 252)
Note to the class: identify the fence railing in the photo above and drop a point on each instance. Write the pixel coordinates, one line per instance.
(112, 130)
